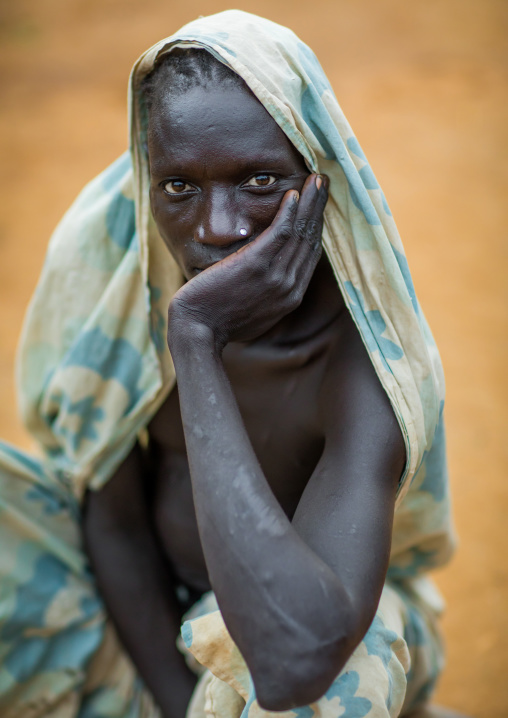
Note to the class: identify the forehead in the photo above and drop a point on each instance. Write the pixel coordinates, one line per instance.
(221, 121)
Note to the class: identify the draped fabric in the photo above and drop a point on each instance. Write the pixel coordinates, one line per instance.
(93, 362)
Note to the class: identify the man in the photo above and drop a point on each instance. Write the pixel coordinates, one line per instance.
(274, 472)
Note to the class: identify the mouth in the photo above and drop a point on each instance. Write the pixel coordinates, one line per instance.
(231, 249)
(198, 270)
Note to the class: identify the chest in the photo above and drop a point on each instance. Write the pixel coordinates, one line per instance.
(279, 404)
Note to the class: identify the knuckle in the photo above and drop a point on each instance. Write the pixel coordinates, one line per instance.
(300, 228)
(313, 233)
(294, 299)
(286, 287)
(274, 279)
(176, 307)
(315, 250)
(289, 282)
(285, 231)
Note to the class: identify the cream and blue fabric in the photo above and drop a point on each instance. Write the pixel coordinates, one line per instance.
(94, 368)
(393, 669)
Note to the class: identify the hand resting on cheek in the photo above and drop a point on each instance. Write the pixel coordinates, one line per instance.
(242, 296)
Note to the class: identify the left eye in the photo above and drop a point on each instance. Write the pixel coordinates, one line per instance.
(261, 181)
(177, 187)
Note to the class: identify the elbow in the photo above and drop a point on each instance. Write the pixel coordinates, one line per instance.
(291, 695)
(291, 683)
(302, 661)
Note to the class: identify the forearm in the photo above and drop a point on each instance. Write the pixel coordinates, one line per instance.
(137, 589)
(281, 602)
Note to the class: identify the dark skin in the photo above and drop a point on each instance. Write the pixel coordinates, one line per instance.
(276, 461)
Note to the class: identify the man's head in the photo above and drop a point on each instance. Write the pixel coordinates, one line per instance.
(219, 163)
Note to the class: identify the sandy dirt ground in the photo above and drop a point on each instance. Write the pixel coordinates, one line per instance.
(424, 85)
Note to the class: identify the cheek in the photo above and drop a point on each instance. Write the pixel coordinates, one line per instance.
(168, 230)
(261, 210)
(171, 221)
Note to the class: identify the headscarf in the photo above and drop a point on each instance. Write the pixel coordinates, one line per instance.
(94, 366)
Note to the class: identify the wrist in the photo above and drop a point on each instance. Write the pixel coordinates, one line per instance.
(188, 337)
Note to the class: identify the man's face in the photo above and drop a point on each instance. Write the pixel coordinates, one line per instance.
(219, 167)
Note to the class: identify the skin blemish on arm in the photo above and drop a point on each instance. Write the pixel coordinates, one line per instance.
(198, 431)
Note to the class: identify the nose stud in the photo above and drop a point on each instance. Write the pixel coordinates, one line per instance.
(243, 232)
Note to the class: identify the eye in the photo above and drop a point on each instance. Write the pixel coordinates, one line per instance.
(261, 180)
(177, 187)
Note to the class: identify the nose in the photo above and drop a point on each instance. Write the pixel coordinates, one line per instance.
(221, 221)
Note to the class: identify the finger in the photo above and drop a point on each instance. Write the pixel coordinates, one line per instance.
(308, 224)
(280, 233)
(304, 268)
(261, 251)
(311, 207)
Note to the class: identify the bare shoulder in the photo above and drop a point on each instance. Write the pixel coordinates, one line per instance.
(357, 414)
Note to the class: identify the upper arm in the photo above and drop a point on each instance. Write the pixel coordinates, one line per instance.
(121, 504)
(346, 511)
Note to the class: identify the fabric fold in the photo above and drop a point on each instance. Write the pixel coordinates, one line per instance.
(94, 368)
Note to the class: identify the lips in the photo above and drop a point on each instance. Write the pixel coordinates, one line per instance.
(205, 266)
(227, 252)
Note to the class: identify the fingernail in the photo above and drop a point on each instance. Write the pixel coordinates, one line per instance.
(319, 181)
(296, 196)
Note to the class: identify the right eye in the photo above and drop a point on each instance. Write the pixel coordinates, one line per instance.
(261, 180)
(177, 187)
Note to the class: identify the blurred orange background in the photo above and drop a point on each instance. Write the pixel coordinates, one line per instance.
(424, 85)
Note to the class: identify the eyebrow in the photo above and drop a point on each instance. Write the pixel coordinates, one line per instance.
(273, 158)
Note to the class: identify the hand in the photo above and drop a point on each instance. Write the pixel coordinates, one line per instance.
(247, 293)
